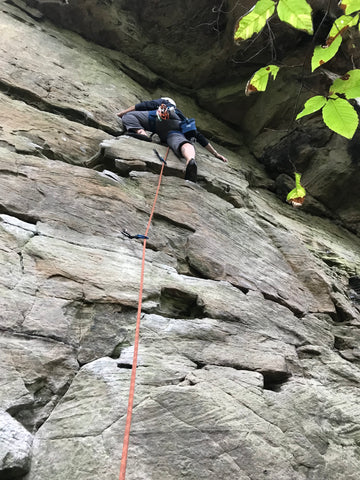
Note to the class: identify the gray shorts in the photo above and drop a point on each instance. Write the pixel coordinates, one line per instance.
(175, 140)
(136, 120)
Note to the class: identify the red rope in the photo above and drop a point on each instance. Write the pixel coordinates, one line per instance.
(136, 341)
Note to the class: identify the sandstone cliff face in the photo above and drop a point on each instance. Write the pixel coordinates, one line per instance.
(249, 351)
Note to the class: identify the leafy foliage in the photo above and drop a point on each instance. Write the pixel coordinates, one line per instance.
(255, 20)
(297, 195)
(350, 6)
(340, 26)
(259, 80)
(340, 117)
(323, 54)
(338, 114)
(297, 13)
(349, 85)
(312, 105)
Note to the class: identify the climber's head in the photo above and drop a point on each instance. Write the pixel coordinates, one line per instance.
(169, 100)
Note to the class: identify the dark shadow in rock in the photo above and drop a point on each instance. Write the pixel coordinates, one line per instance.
(354, 285)
(185, 267)
(124, 167)
(242, 289)
(283, 302)
(275, 380)
(295, 150)
(176, 303)
(343, 311)
(127, 366)
(308, 351)
(16, 473)
(19, 215)
(199, 365)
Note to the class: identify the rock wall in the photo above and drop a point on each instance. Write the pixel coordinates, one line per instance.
(249, 360)
(189, 47)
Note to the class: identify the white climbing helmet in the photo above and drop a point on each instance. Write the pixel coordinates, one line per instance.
(170, 100)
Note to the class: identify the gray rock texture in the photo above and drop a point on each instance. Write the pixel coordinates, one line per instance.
(15, 447)
(249, 355)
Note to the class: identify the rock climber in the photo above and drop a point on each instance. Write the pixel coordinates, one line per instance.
(162, 117)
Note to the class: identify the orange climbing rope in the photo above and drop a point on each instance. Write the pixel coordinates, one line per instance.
(136, 341)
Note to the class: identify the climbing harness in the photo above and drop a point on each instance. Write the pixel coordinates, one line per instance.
(137, 329)
(162, 112)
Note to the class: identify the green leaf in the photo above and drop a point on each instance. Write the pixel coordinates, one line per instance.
(296, 196)
(349, 84)
(259, 80)
(350, 6)
(322, 55)
(340, 117)
(255, 20)
(340, 26)
(297, 13)
(312, 105)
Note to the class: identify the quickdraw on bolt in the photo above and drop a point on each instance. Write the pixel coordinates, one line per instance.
(159, 156)
(127, 234)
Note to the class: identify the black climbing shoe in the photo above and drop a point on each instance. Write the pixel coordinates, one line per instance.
(139, 136)
(191, 171)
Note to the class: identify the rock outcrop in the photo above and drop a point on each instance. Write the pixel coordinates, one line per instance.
(249, 352)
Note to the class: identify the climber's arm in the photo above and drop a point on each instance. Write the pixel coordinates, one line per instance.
(145, 105)
(122, 113)
(204, 142)
(212, 150)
